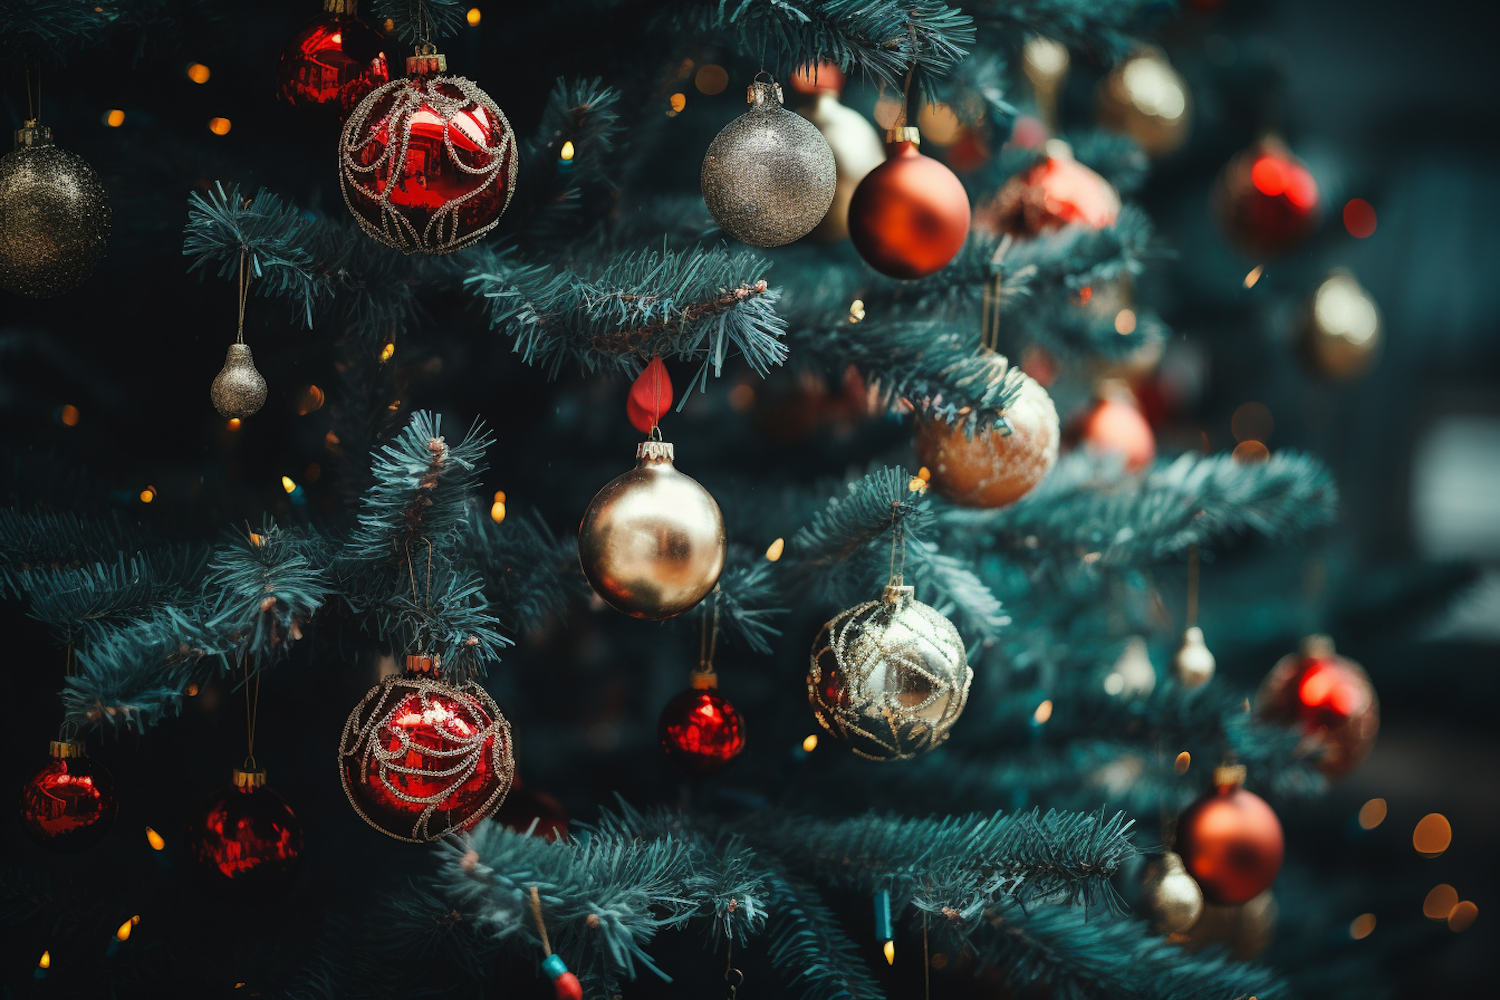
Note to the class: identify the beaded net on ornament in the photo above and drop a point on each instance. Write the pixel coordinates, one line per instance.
(377, 143)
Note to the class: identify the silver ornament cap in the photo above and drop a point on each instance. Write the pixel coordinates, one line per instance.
(238, 391)
(1193, 663)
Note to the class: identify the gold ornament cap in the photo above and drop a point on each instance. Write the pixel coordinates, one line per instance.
(423, 663)
(1228, 776)
(1317, 647)
(349, 8)
(654, 453)
(252, 777)
(427, 60)
(906, 133)
(64, 749)
(703, 680)
(898, 594)
(32, 134)
(763, 92)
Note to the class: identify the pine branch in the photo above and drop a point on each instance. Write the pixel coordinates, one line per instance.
(31, 541)
(951, 587)
(272, 236)
(748, 596)
(529, 572)
(1108, 27)
(872, 508)
(420, 20)
(809, 948)
(585, 113)
(70, 600)
(268, 589)
(51, 31)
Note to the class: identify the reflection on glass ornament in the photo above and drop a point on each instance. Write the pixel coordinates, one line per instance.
(248, 834)
(69, 804)
(331, 62)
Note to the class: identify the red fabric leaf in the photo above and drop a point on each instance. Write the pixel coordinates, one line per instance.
(650, 397)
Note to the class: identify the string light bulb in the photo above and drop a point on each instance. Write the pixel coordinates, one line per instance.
(387, 352)
(810, 744)
(566, 153)
(773, 553)
(155, 839)
(1043, 712)
(288, 485)
(890, 953)
(46, 961)
(123, 934)
(198, 73)
(473, 17)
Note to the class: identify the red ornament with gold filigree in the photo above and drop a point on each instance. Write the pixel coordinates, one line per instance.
(1116, 426)
(1330, 697)
(910, 216)
(700, 730)
(1266, 200)
(427, 163)
(1231, 841)
(421, 758)
(69, 804)
(331, 63)
(248, 834)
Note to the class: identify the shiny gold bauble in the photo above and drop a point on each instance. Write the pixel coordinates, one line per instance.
(652, 541)
(889, 677)
(857, 149)
(991, 468)
(1193, 663)
(1170, 897)
(54, 216)
(1246, 930)
(238, 390)
(1341, 332)
(1145, 98)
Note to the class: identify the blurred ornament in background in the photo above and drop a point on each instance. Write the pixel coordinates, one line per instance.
(1133, 675)
(1231, 841)
(910, 215)
(239, 390)
(650, 396)
(1330, 697)
(1114, 425)
(652, 541)
(889, 677)
(248, 834)
(331, 63)
(421, 758)
(69, 804)
(1245, 930)
(1193, 662)
(1146, 99)
(699, 729)
(855, 144)
(998, 464)
(427, 163)
(1058, 191)
(54, 216)
(769, 176)
(1170, 898)
(1340, 336)
(1045, 63)
(527, 810)
(1266, 200)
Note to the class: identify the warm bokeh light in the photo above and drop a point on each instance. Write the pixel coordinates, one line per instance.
(890, 953)
(473, 17)
(497, 511)
(1440, 902)
(288, 485)
(1359, 218)
(1251, 452)
(567, 152)
(711, 79)
(1154, 88)
(888, 111)
(916, 484)
(1044, 58)
(1344, 309)
(499, 496)
(811, 743)
(69, 416)
(1184, 761)
(1043, 711)
(198, 73)
(387, 352)
(1362, 926)
(233, 424)
(924, 473)
(939, 125)
(114, 118)
(1085, 294)
(1432, 835)
(1125, 322)
(1463, 915)
(1254, 275)
(856, 310)
(155, 839)
(1372, 814)
(218, 126)
(1252, 421)
(678, 101)
(192, 689)
(148, 494)
(312, 473)
(312, 399)
(46, 961)
(774, 550)
(742, 398)
(124, 932)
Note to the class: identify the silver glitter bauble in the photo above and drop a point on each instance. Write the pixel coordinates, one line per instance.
(889, 677)
(769, 176)
(54, 217)
(1193, 663)
(238, 389)
(1170, 897)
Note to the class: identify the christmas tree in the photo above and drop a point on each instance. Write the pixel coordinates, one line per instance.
(888, 535)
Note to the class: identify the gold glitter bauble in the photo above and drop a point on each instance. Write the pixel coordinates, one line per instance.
(1341, 334)
(769, 176)
(238, 389)
(992, 468)
(1246, 930)
(54, 217)
(1145, 98)
(1193, 663)
(889, 677)
(857, 149)
(652, 541)
(1170, 897)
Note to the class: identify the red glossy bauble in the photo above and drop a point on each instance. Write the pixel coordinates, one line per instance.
(1231, 842)
(1330, 697)
(421, 759)
(815, 79)
(700, 731)
(1115, 426)
(1266, 200)
(1057, 192)
(69, 804)
(248, 834)
(427, 164)
(910, 215)
(331, 63)
(527, 810)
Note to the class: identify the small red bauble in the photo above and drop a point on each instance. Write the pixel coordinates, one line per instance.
(331, 63)
(992, 468)
(428, 163)
(248, 834)
(526, 810)
(1057, 192)
(69, 805)
(700, 731)
(1330, 696)
(650, 397)
(1115, 426)
(421, 759)
(1231, 841)
(910, 215)
(1266, 200)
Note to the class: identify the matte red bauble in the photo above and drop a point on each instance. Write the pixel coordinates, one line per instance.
(992, 468)
(421, 759)
(1116, 426)
(1230, 841)
(248, 834)
(1266, 200)
(69, 805)
(526, 810)
(427, 163)
(1057, 192)
(910, 215)
(331, 63)
(700, 731)
(1330, 696)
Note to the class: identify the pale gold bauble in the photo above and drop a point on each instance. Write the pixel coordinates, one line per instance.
(1193, 663)
(652, 541)
(1145, 98)
(1170, 897)
(889, 677)
(1132, 676)
(1341, 332)
(238, 390)
(1246, 930)
(992, 468)
(857, 149)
